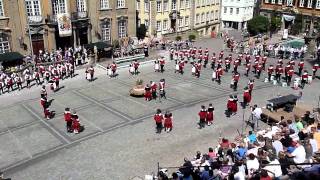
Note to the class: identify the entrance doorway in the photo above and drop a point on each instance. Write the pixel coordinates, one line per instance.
(83, 35)
(37, 43)
(63, 42)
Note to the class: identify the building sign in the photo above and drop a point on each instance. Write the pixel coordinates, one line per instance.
(64, 24)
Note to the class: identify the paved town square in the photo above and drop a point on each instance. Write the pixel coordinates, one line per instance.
(119, 140)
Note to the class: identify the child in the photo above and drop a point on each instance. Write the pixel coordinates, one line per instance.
(210, 115)
(168, 122)
(67, 118)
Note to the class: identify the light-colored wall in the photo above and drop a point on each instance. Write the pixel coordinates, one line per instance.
(245, 10)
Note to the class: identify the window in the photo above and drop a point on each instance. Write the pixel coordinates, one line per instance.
(217, 15)
(158, 6)
(1, 8)
(237, 11)
(198, 3)
(181, 4)
(231, 10)
(33, 7)
(81, 5)
(197, 18)
(158, 25)
(318, 4)
(165, 25)
(208, 16)
(59, 6)
(146, 23)
(187, 3)
(121, 3)
(309, 3)
(224, 10)
(203, 2)
(138, 4)
(106, 31)
(186, 21)
(174, 5)
(122, 28)
(202, 18)
(146, 6)
(289, 2)
(165, 5)
(301, 4)
(104, 4)
(266, 1)
(212, 16)
(273, 1)
(181, 22)
(279, 1)
(4, 43)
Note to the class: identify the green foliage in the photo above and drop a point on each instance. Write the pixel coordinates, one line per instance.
(141, 31)
(258, 24)
(178, 38)
(115, 43)
(298, 25)
(275, 23)
(192, 37)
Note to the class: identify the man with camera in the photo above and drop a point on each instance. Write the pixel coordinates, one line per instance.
(255, 116)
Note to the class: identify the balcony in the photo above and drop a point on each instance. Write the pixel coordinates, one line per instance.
(35, 19)
(79, 15)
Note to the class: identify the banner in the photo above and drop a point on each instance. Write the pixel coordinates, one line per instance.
(285, 34)
(64, 24)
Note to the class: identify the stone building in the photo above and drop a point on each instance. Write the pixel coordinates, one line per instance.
(289, 9)
(173, 17)
(34, 23)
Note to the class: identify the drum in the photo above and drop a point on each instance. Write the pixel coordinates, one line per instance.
(295, 85)
(214, 75)
(156, 66)
(272, 78)
(284, 84)
(266, 80)
(309, 79)
(193, 70)
(177, 67)
(297, 80)
(275, 82)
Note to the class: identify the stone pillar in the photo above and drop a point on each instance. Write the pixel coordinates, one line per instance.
(74, 37)
(89, 34)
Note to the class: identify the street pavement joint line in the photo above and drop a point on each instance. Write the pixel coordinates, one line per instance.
(124, 97)
(91, 123)
(12, 129)
(47, 124)
(102, 105)
(20, 144)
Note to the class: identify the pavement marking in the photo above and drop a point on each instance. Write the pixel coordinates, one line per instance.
(91, 123)
(47, 124)
(20, 144)
(102, 105)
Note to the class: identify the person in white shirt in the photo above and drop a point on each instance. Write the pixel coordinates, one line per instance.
(299, 154)
(256, 115)
(277, 144)
(252, 164)
(273, 170)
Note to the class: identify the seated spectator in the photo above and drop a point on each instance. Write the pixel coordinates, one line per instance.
(225, 168)
(252, 137)
(299, 124)
(277, 145)
(252, 164)
(313, 143)
(241, 152)
(292, 126)
(272, 168)
(211, 153)
(298, 154)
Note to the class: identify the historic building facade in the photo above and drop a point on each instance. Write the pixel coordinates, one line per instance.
(289, 9)
(163, 17)
(31, 25)
(236, 13)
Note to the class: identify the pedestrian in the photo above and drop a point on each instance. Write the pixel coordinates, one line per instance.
(301, 65)
(153, 89)
(235, 79)
(235, 105)
(230, 107)
(162, 63)
(202, 117)
(304, 79)
(246, 97)
(91, 73)
(136, 65)
(146, 50)
(315, 68)
(68, 120)
(158, 118)
(210, 114)
(270, 71)
(168, 121)
(156, 66)
(147, 92)
(43, 102)
(162, 91)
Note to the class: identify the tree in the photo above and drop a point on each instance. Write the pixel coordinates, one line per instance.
(141, 31)
(258, 24)
(297, 25)
(178, 38)
(275, 23)
(192, 37)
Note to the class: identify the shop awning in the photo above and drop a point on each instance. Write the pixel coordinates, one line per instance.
(99, 45)
(11, 56)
